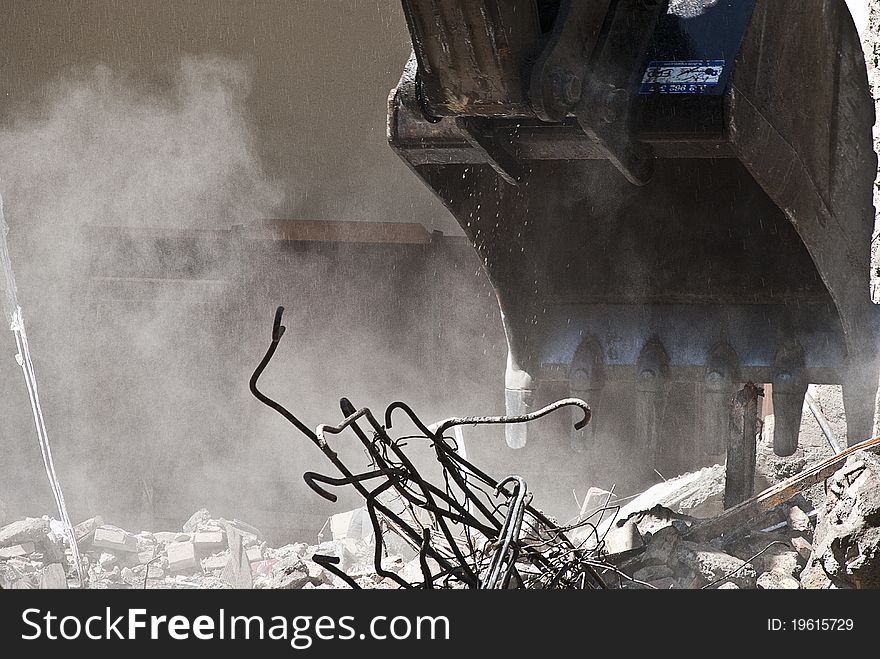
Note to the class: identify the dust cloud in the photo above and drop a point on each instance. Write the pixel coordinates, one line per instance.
(129, 201)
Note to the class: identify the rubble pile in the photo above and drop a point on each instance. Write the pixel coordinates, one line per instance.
(467, 530)
(672, 536)
(206, 552)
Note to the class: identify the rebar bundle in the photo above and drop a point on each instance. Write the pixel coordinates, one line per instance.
(470, 530)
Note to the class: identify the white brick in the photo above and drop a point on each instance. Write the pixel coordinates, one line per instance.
(210, 541)
(213, 563)
(115, 540)
(181, 556)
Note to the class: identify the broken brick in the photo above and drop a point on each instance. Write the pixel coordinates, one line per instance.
(25, 530)
(209, 541)
(181, 556)
(113, 539)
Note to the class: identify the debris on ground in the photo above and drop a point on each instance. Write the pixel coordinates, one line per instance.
(466, 529)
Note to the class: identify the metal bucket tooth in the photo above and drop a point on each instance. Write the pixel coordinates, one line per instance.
(586, 378)
(720, 382)
(789, 389)
(652, 384)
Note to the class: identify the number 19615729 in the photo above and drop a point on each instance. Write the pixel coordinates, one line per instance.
(810, 624)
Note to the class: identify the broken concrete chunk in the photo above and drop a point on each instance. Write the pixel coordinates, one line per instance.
(595, 500)
(658, 517)
(84, 531)
(146, 556)
(653, 573)
(847, 543)
(24, 549)
(623, 539)
(201, 516)
(209, 541)
(25, 530)
(181, 556)
(661, 547)
(712, 564)
(291, 573)
(728, 585)
(775, 580)
(350, 524)
(215, 563)
(798, 520)
(697, 494)
(245, 528)
(166, 537)
(298, 548)
(237, 572)
(255, 554)
(803, 547)
(116, 540)
(813, 576)
(107, 561)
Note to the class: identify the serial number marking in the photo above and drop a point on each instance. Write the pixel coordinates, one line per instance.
(810, 624)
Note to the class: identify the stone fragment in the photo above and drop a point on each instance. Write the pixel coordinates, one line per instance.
(803, 547)
(847, 538)
(661, 547)
(215, 563)
(209, 541)
(201, 516)
(181, 556)
(776, 580)
(653, 573)
(237, 572)
(107, 561)
(24, 530)
(116, 540)
(84, 532)
(712, 564)
(798, 520)
(623, 539)
(166, 537)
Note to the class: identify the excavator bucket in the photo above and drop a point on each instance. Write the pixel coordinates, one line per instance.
(666, 196)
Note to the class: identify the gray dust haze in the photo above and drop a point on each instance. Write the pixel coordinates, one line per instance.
(128, 202)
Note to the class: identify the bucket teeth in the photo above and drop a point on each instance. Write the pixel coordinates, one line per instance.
(518, 402)
(586, 379)
(789, 389)
(720, 382)
(652, 384)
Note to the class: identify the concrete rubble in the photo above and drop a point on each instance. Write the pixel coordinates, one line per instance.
(208, 552)
(659, 539)
(816, 526)
(652, 542)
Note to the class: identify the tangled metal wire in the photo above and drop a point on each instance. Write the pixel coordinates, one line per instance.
(470, 531)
